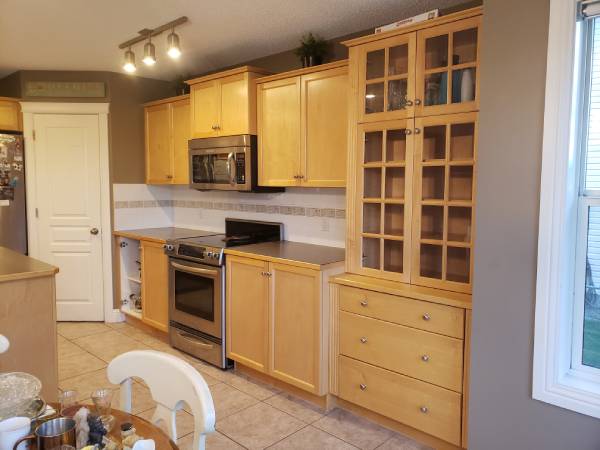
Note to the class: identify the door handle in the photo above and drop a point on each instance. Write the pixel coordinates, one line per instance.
(231, 169)
(194, 340)
(197, 270)
(94, 231)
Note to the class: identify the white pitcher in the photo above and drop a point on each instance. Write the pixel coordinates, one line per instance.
(13, 429)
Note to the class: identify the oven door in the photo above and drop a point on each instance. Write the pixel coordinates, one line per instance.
(196, 296)
(220, 168)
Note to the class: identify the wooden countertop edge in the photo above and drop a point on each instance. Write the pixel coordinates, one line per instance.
(292, 262)
(373, 286)
(138, 237)
(28, 275)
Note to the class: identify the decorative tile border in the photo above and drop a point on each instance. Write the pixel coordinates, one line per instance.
(329, 213)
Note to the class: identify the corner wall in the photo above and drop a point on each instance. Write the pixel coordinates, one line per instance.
(502, 413)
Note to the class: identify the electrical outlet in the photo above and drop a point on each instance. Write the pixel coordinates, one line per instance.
(324, 224)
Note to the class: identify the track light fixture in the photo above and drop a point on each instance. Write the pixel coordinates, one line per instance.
(173, 45)
(129, 62)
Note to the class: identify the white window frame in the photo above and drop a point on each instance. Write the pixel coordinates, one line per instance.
(556, 379)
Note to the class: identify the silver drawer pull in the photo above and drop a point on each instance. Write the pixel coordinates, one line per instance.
(424, 409)
(425, 358)
(363, 340)
(426, 317)
(362, 386)
(364, 303)
(194, 340)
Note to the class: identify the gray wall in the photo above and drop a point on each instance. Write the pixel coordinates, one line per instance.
(502, 412)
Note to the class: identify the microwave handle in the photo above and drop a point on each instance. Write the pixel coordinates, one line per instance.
(231, 169)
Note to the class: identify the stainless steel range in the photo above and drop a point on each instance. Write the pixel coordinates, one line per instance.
(197, 286)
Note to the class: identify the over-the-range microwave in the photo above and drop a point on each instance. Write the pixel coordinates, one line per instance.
(227, 163)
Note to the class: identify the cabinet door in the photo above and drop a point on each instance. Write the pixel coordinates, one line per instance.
(386, 80)
(296, 326)
(158, 145)
(382, 212)
(325, 128)
(205, 107)
(247, 312)
(180, 126)
(443, 218)
(279, 132)
(10, 115)
(234, 106)
(447, 76)
(155, 285)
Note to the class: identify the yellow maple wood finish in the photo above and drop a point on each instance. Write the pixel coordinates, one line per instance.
(10, 114)
(155, 285)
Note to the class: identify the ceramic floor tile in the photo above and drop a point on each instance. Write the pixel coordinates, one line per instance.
(74, 330)
(399, 442)
(78, 364)
(254, 388)
(259, 426)
(353, 429)
(222, 375)
(312, 438)
(184, 422)
(86, 383)
(108, 345)
(141, 399)
(228, 400)
(214, 441)
(67, 348)
(300, 409)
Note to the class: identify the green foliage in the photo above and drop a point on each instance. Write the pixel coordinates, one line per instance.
(312, 45)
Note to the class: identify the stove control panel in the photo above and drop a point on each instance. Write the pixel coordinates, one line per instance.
(206, 255)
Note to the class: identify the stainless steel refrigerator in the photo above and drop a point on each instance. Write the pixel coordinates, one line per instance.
(13, 212)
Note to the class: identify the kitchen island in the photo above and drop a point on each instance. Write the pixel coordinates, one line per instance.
(28, 318)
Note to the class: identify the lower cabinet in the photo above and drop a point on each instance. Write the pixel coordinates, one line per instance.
(155, 285)
(276, 321)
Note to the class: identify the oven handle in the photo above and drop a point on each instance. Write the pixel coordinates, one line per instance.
(196, 270)
(230, 158)
(193, 340)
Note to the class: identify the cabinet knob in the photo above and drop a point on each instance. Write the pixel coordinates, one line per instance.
(407, 131)
(362, 386)
(94, 231)
(408, 103)
(425, 358)
(363, 340)
(364, 303)
(417, 101)
(424, 409)
(169, 177)
(417, 130)
(426, 317)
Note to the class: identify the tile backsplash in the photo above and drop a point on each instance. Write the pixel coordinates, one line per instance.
(309, 215)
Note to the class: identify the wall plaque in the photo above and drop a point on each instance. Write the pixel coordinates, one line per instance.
(69, 89)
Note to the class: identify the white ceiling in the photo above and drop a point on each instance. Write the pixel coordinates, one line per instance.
(85, 34)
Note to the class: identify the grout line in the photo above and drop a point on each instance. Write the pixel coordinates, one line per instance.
(289, 435)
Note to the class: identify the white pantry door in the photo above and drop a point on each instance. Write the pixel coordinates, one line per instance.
(67, 168)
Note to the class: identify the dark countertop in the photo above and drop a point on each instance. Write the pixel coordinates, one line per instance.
(161, 235)
(309, 255)
(15, 266)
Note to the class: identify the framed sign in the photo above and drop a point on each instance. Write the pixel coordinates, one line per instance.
(66, 89)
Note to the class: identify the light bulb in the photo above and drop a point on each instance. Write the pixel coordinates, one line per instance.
(129, 64)
(149, 54)
(173, 46)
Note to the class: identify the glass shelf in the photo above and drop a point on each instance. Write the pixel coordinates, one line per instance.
(464, 46)
(393, 220)
(393, 256)
(373, 146)
(398, 60)
(434, 143)
(394, 183)
(395, 146)
(375, 64)
(372, 183)
(431, 261)
(432, 222)
(372, 218)
(461, 183)
(462, 141)
(433, 183)
(436, 52)
(458, 264)
(371, 249)
(459, 224)
(374, 98)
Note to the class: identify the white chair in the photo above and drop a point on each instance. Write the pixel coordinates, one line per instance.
(172, 381)
(4, 344)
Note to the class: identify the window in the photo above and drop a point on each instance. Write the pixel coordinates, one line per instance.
(566, 366)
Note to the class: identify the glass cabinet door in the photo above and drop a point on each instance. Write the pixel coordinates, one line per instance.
(383, 209)
(447, 68)
(445, 168)
(386, 79)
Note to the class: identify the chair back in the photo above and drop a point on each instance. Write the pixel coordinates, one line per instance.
(172, 382)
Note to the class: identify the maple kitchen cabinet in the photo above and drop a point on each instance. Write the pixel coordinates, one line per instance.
(167, 128)
(155, 283)
(277, 315)
(302, 127)
(224, 103)
(10, 114)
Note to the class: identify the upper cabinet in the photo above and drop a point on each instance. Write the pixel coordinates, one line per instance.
(224, 104)
(10, 114)
(427, 72)
(167, 133)
(303, 127)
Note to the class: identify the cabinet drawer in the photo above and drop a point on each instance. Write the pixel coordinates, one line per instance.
(432, 409)
(418, 354)
(426, 316)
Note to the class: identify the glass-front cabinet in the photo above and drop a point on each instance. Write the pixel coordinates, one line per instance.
(383, 199)
(447, 68)
(444, 198)
(387, 82)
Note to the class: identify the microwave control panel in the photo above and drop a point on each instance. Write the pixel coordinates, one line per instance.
(240, 168)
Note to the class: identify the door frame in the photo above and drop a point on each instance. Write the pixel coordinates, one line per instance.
(100, 110)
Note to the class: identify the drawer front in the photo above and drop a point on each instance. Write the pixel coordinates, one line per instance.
(426, 316)
(419, 354)
(434, 410)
